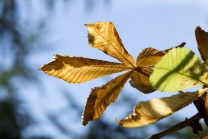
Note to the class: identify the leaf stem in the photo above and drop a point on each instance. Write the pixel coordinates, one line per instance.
(175, 127)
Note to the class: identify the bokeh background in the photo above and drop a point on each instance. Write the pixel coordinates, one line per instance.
(34, 105)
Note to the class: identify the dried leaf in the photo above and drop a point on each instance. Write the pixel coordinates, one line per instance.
(200, 105)
(79, 69)
(101, 97)
(196, 126)
(140, 81)
(145, 113)
(202, 41)
(103, 35)
(148, 58)
(206, 107)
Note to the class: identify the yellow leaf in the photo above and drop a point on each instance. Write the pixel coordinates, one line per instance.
(145, 113)
(103, 35)
(79, 69)
(202, 41)
(101, 97)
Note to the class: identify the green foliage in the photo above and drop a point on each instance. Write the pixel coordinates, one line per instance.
(179, 69)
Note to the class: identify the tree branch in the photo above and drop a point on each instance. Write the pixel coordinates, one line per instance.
(175, 127)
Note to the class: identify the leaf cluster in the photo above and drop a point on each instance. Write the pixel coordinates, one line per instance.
(173, 69)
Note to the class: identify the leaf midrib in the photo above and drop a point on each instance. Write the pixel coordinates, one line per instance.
(113, 47)
(180, 74)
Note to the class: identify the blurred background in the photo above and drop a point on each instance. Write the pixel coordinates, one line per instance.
(34, 105)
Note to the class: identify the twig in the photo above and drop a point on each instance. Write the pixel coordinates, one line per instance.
(175, 127)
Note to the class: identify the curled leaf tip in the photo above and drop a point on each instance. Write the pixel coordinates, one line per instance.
(198, 27)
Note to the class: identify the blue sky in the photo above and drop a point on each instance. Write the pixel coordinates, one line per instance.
(160, 24)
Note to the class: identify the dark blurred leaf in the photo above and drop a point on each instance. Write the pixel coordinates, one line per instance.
(206, 108)
(202, 41)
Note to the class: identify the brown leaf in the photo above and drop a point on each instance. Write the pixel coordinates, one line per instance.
(205, 136)
(200, 105)
(202, 41)
(101, 97)
(149, 57)
(206, 107)
(79, 69)
(196, 126)
(103, 35)
(145, 113)
(146, 60)
(140, 81)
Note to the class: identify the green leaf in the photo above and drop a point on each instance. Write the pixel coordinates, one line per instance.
(179, 69)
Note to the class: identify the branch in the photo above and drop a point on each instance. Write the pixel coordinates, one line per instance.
(175, 127)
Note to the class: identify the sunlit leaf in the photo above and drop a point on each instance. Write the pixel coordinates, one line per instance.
(103, 35)
(79, 69)
(202, 41)
(145, 62)
(145, 113)
(179, 69)
(101, 97)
